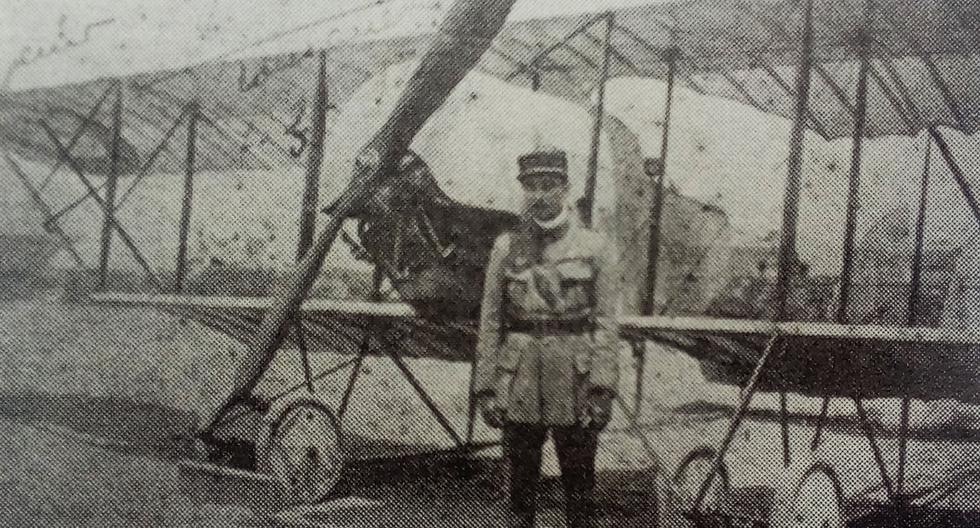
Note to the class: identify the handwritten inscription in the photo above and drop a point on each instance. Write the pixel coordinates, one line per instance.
(293, 129)
(64, 41)
(249, 80)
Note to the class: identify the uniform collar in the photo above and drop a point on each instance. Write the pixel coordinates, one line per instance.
(554, 224)
(554, 228)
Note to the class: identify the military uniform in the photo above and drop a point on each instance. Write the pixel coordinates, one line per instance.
(548, 346)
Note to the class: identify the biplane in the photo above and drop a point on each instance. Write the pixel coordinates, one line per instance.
(911, 68)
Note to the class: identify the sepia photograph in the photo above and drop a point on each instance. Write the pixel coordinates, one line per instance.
(490, 263)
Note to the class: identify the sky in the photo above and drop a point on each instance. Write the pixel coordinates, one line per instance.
(151, 34)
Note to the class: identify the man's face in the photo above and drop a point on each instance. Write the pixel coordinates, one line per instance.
(544, 195)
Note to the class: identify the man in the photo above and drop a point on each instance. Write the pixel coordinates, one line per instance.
(548, 343)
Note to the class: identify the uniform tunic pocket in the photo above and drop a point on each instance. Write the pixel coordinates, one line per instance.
(583, 360)
(510, 353)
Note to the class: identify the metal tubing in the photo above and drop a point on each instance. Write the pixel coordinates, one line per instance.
(828, 79)
(228, 418)
(743, 406)
(377, 277)
(957, 172)
(766, 67)
(920, 228)
(640, 353)
(879, 460)
(533, 63)
(355, 373)
(471, 403)
(903, 90)
(110, 198)
(304, 352)
(102, 203)
(821, 421)
(656, 213)
(903, 442)
(78, 134)
(139, 177)
(791, 203)
(423, 394)
(743, 91)
(185, 211)
(854, 184)
(315, 161)
(590, 183)
(151, 159)
(784, 427)
(893, 99)
(632, 423)
(70, 207)
(46, 211)
(441, 68)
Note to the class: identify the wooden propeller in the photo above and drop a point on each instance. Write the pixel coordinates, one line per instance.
(464, 35)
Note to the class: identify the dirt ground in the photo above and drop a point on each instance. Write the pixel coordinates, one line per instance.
(93, 400)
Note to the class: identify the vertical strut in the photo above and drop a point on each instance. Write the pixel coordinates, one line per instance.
(185, 210)
(920, 227)
(588, 198)
(315, 161)
(110, 198)
(791, 202)
(471, 403)
(821, 421)
(640, 355)
(784, 427)
(903, 437)
(656, 213)
(854, 182)
(123, 235)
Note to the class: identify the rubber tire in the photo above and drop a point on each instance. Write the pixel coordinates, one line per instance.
(674, 502)
(788, 493)
(270, 455)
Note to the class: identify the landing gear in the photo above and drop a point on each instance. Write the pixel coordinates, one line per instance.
(809, 496)
(681, 494)
(300, 446)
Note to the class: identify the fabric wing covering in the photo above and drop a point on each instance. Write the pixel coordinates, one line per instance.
(923, 71)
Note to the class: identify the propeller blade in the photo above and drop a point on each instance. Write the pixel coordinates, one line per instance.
(464, 35)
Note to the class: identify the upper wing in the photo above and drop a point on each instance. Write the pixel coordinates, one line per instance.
(256, 100)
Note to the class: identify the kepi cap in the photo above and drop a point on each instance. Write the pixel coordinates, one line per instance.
(543, 162)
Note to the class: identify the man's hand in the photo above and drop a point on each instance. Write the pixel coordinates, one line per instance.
(493, 412)
(598, 409)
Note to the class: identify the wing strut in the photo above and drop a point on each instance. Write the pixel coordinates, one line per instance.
(466, 33)
(791, 203)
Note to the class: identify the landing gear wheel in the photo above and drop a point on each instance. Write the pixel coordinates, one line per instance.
(809, 496)
(300, 445)
(681, 495)
(231, 442)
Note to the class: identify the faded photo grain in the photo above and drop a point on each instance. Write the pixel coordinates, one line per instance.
(515, 263)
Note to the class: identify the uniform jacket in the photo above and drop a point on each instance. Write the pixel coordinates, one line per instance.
(548, 331)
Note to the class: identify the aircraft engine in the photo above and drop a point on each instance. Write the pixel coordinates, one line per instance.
(431, 248)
